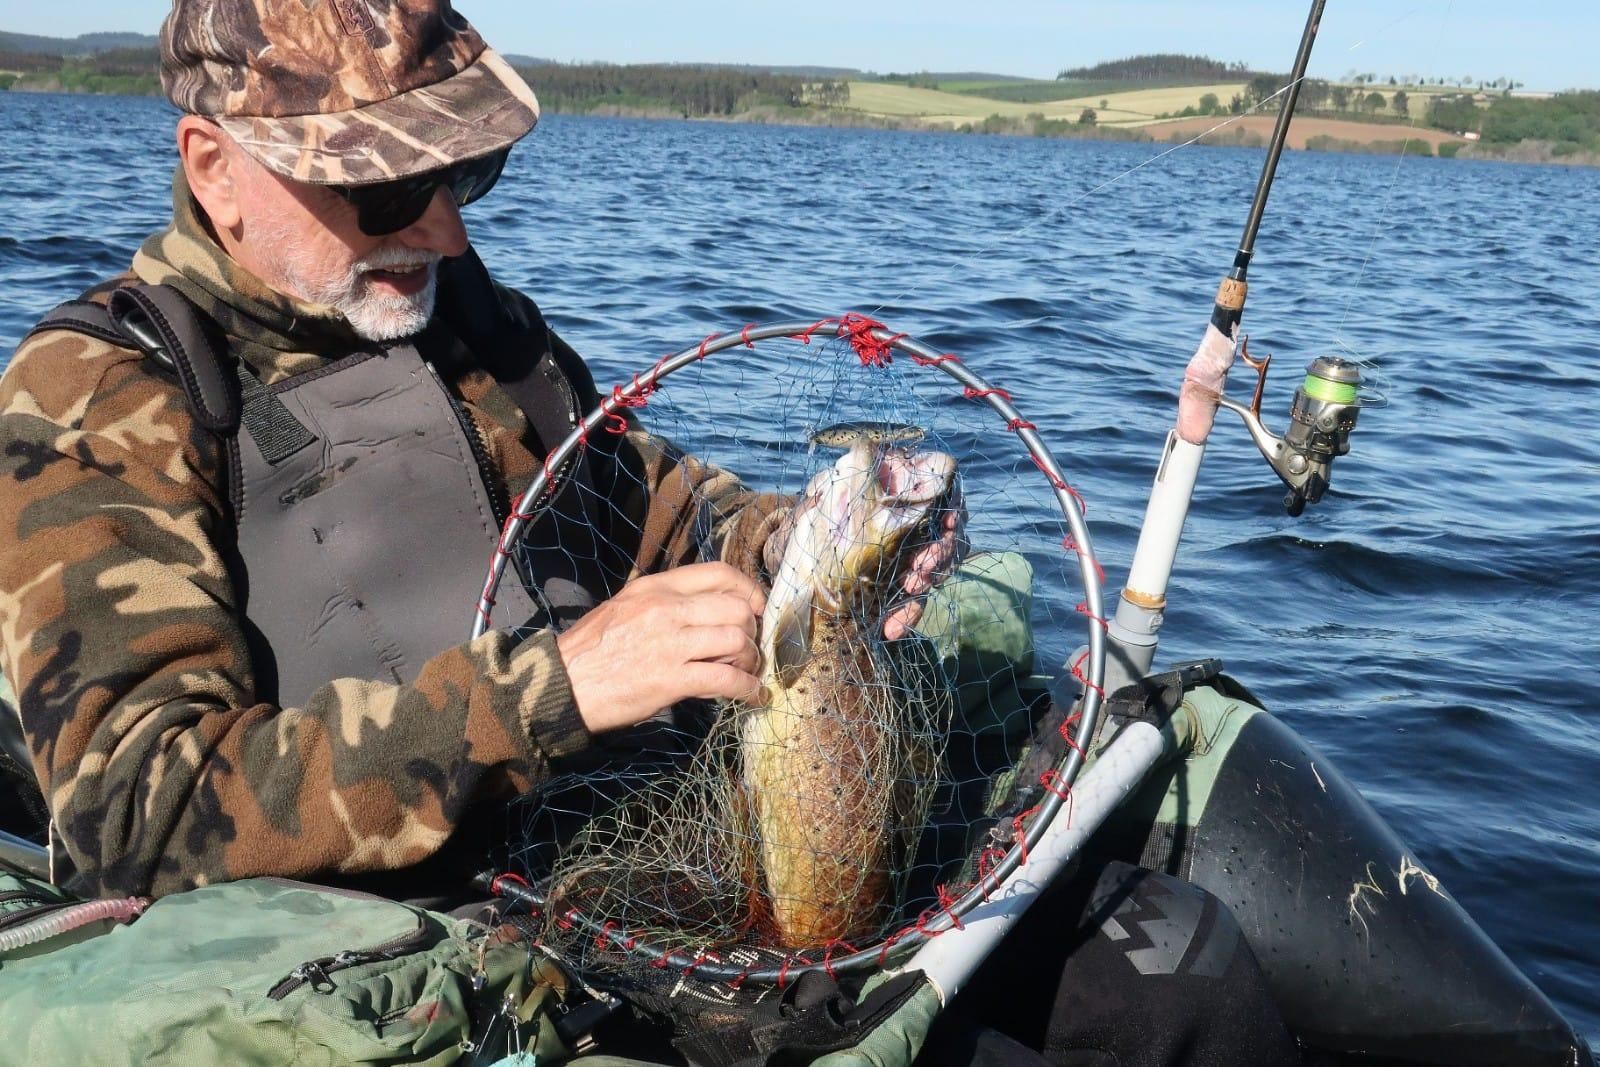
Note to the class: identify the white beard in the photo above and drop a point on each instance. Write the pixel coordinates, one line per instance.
(375, 316)
(388, 315)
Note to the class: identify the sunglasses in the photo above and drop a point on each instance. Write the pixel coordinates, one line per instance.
(388, 207)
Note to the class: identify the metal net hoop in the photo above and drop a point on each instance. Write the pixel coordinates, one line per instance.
(875, 345)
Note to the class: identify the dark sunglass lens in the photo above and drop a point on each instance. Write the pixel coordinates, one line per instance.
(477, 177)
(389, 207)
(392, 206)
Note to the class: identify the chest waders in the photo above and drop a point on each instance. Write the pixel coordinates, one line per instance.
(363, 499)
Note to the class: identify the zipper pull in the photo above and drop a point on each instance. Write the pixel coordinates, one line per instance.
(312, 973)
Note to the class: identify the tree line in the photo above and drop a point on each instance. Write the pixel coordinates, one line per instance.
(1165, 66)
(128, 71)
(1569, 120)
(693, 91)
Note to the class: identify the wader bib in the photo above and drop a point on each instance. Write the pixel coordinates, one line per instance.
(363, 500)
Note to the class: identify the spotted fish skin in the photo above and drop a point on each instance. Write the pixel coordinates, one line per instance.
(849, 434)
(815, 773)
(825, 766)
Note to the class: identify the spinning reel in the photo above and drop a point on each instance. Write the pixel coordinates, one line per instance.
(1321, 419)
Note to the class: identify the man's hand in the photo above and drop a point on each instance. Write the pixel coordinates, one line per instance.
(690, 632)
(932, 564)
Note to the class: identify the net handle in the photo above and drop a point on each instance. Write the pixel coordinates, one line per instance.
(1090, 669)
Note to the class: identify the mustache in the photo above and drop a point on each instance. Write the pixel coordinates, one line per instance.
(396, 259)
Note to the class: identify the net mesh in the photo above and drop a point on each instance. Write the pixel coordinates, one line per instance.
(878, 782)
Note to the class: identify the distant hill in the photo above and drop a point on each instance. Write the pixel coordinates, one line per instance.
(86, 44)
(800, 71)
(1164, 66)
(974, 76)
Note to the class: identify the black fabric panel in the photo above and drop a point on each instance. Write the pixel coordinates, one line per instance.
(82, 316)
(1123, 967)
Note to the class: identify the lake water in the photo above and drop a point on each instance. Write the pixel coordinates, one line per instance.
(1430, 626)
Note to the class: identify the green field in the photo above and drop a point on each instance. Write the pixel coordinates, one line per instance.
(938, 106)
(962, 103)
(1039, 92)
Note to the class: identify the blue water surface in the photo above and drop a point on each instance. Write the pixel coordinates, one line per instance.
(1430, 626)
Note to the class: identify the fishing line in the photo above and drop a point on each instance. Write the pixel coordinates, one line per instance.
(1386, 27)
(1383, 215)
(1061, 210)
(1378, 389)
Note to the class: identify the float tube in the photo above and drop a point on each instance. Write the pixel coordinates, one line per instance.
(1370, 959)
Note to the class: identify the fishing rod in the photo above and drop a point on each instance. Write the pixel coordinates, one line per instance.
(1229, 308)
(1321, 417)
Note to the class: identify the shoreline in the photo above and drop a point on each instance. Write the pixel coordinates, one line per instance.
(1321, 134)
(1310, 132)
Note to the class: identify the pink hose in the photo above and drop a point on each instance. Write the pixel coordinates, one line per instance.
(59, 922)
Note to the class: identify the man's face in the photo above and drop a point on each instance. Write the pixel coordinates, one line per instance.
(304, 241)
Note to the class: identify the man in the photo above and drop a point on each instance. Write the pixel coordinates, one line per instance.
(233, 611)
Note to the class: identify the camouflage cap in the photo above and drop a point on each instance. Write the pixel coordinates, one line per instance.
(344, 92)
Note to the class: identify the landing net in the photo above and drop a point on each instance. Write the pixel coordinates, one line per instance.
(899, 781)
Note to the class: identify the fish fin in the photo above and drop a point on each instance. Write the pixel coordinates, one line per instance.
(791, 644)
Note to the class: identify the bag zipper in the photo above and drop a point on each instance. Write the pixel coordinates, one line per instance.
(499, 497)
(316, 973)
(27, 915)
(7, 896)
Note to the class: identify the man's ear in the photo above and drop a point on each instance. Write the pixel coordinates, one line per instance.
(211, 170)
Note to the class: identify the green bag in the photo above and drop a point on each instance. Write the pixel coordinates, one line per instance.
(273, 972)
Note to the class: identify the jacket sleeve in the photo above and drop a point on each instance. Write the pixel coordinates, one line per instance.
(120, 629)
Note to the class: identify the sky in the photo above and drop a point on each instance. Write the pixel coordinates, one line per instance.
(1548, 44)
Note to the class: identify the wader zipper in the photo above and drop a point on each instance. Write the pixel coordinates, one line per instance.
(316, 973)
(499, 497)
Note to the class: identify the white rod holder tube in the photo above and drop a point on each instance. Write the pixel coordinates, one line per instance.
(1164, 518)
(951, 958)
(1134, 627)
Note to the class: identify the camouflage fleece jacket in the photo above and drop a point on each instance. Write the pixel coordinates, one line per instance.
(120, 626)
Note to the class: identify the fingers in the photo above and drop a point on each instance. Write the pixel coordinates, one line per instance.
(723, 681)
(732, 645)
(926, 566)
(698, 578)
(715, 609)
(932, 562)
(900, 622)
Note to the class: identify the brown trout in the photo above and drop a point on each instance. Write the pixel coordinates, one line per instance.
(829, 772)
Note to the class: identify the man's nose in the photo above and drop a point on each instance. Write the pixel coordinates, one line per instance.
(440, 228)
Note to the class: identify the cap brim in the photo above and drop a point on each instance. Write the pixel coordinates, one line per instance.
(484, 108)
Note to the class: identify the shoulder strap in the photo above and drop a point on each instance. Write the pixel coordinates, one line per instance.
(81, 316)
(173, 333)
